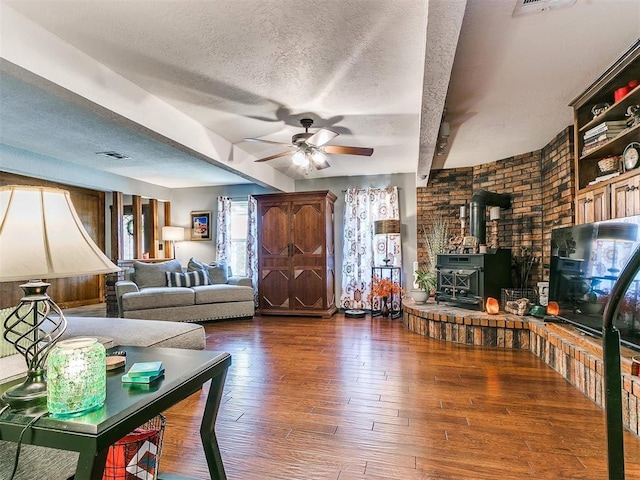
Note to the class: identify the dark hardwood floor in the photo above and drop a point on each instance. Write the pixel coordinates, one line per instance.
(353, 399)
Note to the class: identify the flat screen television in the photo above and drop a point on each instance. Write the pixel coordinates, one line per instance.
(586, 261)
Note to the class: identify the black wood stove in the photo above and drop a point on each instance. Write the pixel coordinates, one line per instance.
(467, 280)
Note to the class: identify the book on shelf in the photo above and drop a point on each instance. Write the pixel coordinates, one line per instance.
(606, 126)
(594, 146)
(601, 137)
(602, 178)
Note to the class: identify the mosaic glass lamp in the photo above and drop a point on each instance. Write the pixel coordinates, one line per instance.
(76, 377)
(41, 236)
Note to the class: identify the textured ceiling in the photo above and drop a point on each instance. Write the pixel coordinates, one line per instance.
(254, 68)
(376, 71)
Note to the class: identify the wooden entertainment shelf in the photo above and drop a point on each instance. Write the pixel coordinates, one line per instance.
(618, 196)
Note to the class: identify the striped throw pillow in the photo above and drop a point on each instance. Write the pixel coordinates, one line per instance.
(188, 279)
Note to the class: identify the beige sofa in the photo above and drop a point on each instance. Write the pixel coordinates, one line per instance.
(201, 292)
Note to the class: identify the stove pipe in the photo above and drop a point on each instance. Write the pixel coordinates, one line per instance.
(478, 206)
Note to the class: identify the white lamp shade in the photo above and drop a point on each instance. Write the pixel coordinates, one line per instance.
(41, 236)
(172, 234)
(494, 213)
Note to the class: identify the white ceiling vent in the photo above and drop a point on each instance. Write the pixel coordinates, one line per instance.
(525, 7)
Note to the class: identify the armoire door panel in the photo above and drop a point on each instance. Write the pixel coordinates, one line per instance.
(274, 288)
(308, 229)
(308, 286)
(275, 235)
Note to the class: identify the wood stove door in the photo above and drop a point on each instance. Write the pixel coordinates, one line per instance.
(459, 282)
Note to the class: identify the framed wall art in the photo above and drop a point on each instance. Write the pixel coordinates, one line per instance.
(201, 225)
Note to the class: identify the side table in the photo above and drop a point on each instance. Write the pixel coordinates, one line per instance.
(126, 408)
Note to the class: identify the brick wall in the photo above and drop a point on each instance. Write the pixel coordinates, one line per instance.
(557, 189)
(541, 183)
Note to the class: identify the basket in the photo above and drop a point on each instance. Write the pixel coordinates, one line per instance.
(136, 456)
(517, 307)
(609, 164)
(513, 294)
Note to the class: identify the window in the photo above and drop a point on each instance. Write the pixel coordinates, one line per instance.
(239, 220)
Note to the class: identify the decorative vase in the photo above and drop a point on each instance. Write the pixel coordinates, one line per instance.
(385, 308)
(76, 376)
(419, 296)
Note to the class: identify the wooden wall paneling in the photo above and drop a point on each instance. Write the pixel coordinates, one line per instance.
(138, 239)
(117, 229)
(153, 234)
(66, 292)
(168, 253)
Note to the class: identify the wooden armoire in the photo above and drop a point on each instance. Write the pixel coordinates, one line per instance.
(296, 254)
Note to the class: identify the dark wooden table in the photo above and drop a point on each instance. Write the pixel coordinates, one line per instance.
(127, 408)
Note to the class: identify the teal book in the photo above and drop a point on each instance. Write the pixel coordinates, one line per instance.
(145, 369)
(126, 378)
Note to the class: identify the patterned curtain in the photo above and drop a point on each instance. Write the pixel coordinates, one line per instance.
(223, 235)
(362, 249)
(252, 246)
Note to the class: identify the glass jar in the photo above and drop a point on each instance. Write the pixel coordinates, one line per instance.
(76, 376)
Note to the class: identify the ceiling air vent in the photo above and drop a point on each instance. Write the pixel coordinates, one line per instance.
(525, 7)
(112, 154)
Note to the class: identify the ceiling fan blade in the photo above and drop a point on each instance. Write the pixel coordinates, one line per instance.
(267, 141)
(321, 137)
(277, 155)
(344, 150)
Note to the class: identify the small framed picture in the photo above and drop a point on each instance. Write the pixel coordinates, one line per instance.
(201, 225)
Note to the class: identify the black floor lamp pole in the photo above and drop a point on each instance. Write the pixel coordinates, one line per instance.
(612, 370)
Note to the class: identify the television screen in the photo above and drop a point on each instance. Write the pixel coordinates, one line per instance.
(586, 261)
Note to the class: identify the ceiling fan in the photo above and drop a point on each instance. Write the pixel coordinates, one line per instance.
(311, 148)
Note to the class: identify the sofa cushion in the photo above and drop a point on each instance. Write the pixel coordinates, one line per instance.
(148, 275)
(158, 298)
(138, 333)
(188, 279)
(222, 293)
(218, 271)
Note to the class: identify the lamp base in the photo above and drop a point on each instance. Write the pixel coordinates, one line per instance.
(29, 395)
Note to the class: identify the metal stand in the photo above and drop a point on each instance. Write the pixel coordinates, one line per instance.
(394, 274)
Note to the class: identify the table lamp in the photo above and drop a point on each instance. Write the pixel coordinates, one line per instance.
(41, 236)
(386, 228)
(173, 235)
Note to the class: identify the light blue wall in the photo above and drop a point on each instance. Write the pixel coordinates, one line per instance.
(185, 200)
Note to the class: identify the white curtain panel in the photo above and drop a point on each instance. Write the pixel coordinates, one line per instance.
(362, 249)
(223, 234)
(252, 246)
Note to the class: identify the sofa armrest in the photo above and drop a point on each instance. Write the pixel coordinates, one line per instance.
(238, 280)
(122, 287)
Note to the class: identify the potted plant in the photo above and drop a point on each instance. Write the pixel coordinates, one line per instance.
(426, 281)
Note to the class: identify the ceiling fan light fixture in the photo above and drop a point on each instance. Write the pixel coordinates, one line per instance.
(318, 157)
(300, 158)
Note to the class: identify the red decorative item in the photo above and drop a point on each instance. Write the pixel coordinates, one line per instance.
(620, 93)
(553, 309)
(136, 456)
(492, 306)
(633, 84)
